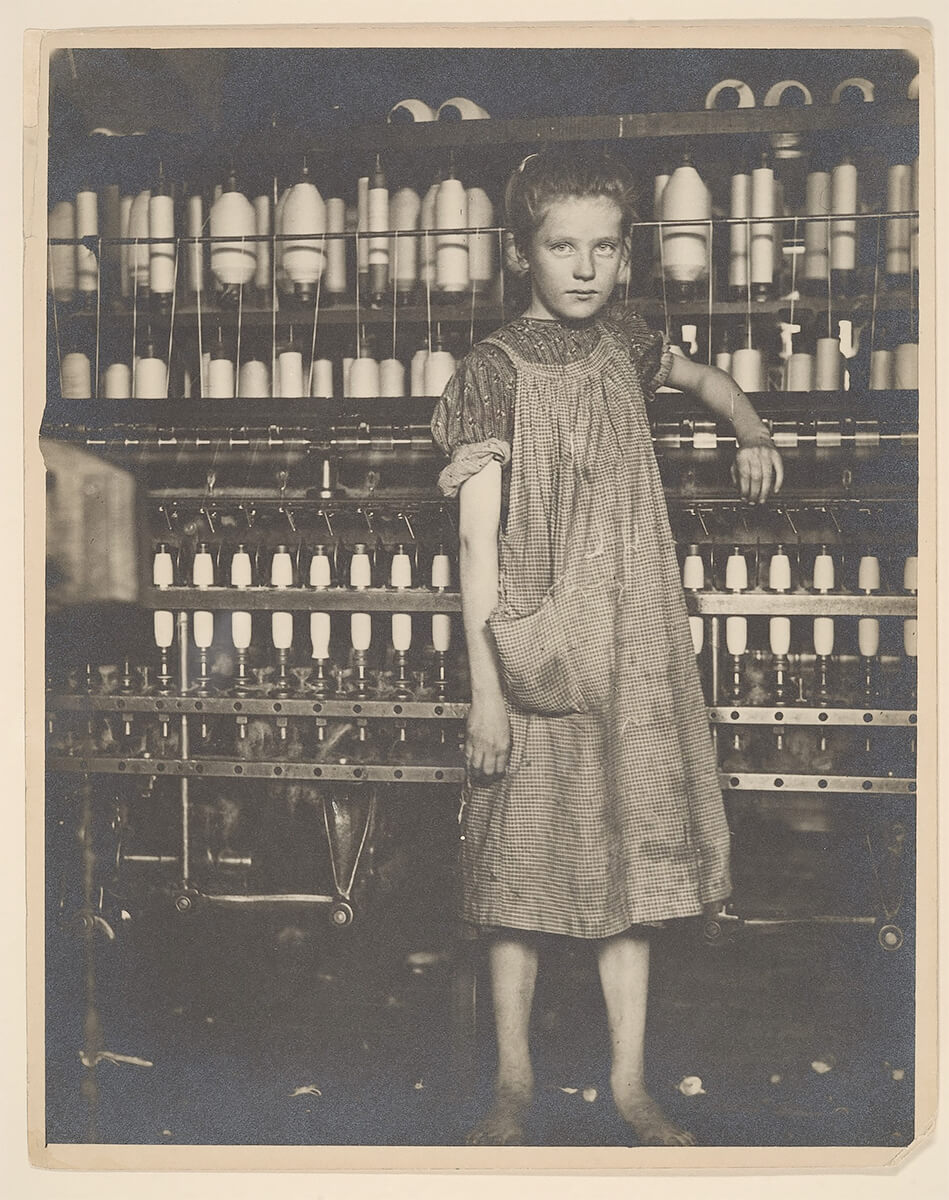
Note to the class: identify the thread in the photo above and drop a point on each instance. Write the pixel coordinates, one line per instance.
(220, 378)
(451, 250)
(303, 258)
(843, 234)
(195, 256)
(762, 232)
(263, 227)
(828, 372)
(336, 281)
(881, 370)
(748, 370)
(117, 381)
(364, 378)
(161, 224)
(87, 226)
(899, 198)
(481, 246)
(76, 376)
(61, 223)
(232, 219)
(290, 372)
(150, 379)
(323, 378)
(739, 235)
(906, 366)
(139, 251)
(405, 207)
(254, 379)
(799, 372)
(391, 377)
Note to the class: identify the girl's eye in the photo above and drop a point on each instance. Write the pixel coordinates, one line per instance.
(607, 249)
(560, 247)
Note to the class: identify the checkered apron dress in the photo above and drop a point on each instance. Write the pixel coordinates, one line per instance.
(610, 816)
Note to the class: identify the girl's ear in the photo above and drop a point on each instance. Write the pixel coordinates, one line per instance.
(515, 261)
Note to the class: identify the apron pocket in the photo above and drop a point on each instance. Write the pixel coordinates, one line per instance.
(559, 659)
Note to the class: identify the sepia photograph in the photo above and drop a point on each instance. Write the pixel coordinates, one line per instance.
(485, 694)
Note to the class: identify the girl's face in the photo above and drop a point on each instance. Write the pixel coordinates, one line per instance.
(574, 258)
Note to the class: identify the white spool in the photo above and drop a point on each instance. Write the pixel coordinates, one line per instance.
(909, 637)
(863, 86)
(220, 379)
(417, 373)
(320, 628)
(693, 573)
(868, 636)
(161, 263)
(418, 110)
(685, 247)
(139, 252)
(335, 281)
(195, 226)
(203, 630)
(881, 370)
(241, 575)
(914, 227)
(906, 365)
(441, 632)
(347, 367)
(242, 627)
(263, 227)
(823, 573)
(360, 570)
(360, 631)
(323, 378)
(466, 109)
(736, 573)
(843, 234)
(736, 635)
(117, 381)
(439, 368)
(762, 232)
(748, 370)
(441, 571)
(400, 571)
(202, 570)
(232, 218)
(779, 635)
(125, 214)
(829, 368)
(739, 235)
(391, 377)
(405, 207)
(899, 198)
(776, 93)
(746, 97)
(164, 626)
(290, 365)
(697, 630)
(87, 225)
(401, 632)
(61, 223)
(364, 378)
(658, 187)
(799, 372)
(281, 630)
(362, 224)
(868, 573)
(817, 201)
(481, 246)
(281, 570)
(911, 574)
(320, 571)
(150, 379)
(723, 360)
(163, 569)
(824, 636)
(304, 213)
(76, 376)
(779, 573)
(254, 379)
(451, 250)
(378, 216)
(426, 264)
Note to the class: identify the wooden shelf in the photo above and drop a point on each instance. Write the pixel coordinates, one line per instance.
(445, 135)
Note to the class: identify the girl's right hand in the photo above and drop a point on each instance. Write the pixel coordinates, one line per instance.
(488, 738)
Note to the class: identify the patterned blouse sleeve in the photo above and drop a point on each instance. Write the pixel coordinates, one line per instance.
(473, 421)
(649, 349)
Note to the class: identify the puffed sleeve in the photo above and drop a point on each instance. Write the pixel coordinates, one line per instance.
(649, 349)
(473, 421)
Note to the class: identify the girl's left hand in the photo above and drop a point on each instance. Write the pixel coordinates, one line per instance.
(758, 471)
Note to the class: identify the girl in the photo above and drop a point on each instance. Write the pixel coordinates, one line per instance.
(594, 808)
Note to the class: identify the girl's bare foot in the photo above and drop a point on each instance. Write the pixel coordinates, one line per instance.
(503, 1125)
(646, 1119)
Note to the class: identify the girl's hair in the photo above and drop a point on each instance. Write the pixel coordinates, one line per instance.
(558, 173)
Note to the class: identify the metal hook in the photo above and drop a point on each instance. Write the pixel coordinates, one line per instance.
(164, 513)
(249, 514)
(288, 513)
(325, 515)
(787, 516)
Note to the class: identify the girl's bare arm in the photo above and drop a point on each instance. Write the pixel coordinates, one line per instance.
(488, 740)
(757, 470)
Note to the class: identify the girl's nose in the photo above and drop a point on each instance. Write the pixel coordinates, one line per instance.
(584, 267)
